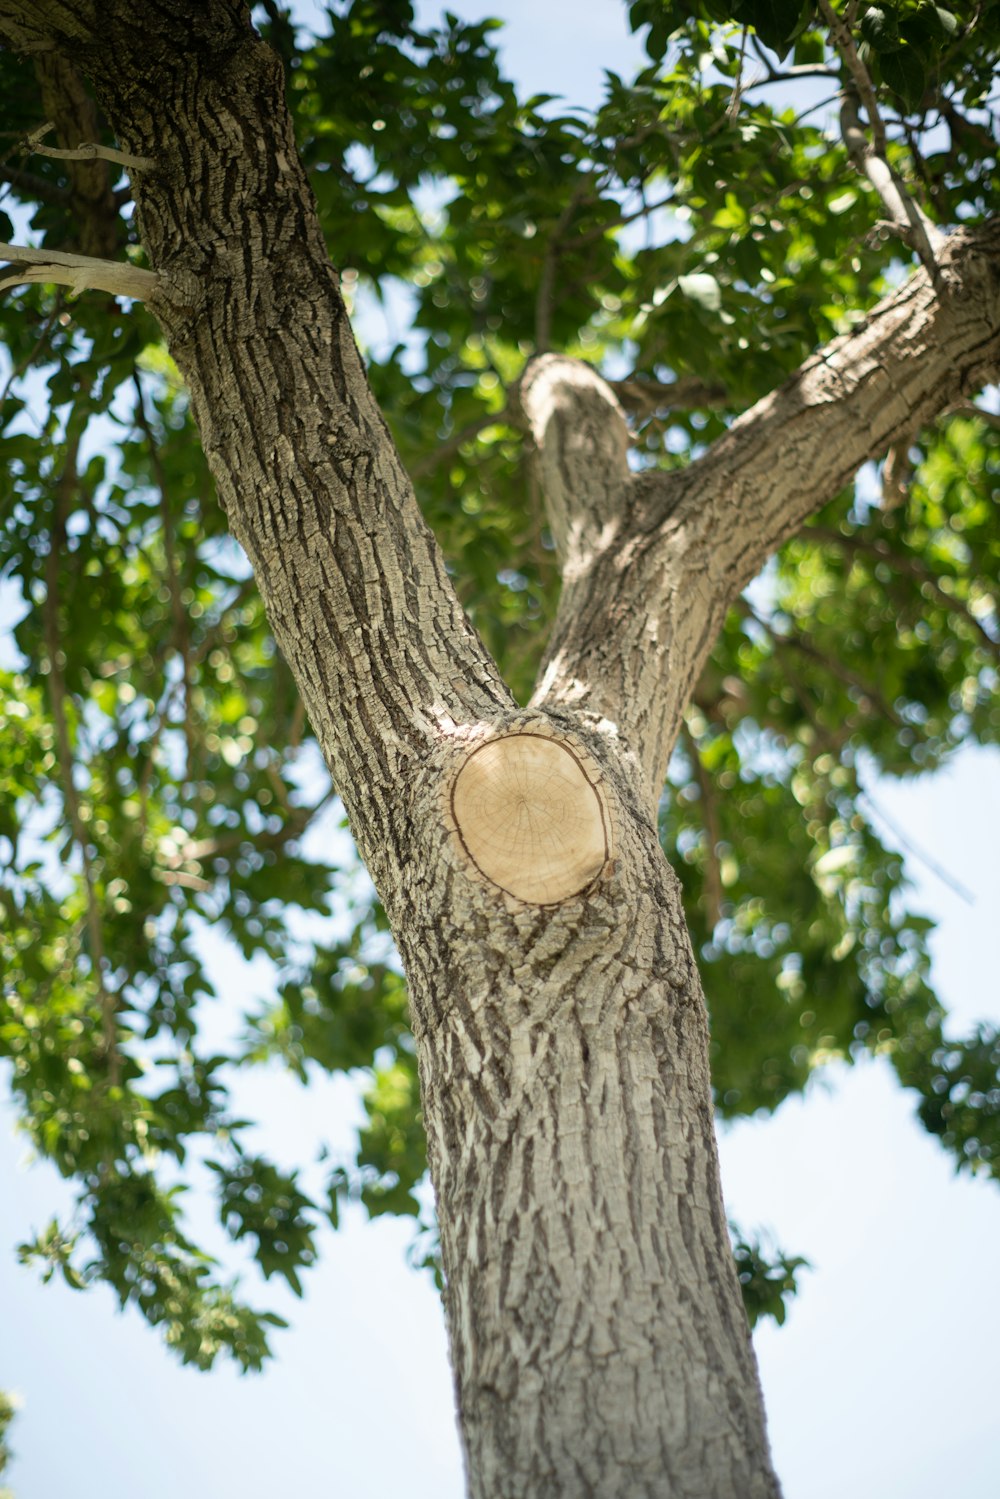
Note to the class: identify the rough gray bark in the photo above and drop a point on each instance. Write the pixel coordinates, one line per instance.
(598, 1338)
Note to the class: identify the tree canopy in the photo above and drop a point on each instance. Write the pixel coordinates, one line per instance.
(697, 237)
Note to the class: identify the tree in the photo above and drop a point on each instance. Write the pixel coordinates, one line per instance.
(551, 998)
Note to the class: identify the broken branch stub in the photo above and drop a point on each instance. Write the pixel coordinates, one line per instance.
(531, 816)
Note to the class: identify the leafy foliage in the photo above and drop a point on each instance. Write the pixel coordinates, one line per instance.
(766, 1282)
(697, 236)
(8, 1410)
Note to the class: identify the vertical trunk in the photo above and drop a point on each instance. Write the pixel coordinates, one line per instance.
(599, 1339)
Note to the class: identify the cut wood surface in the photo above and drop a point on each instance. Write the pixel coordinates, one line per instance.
(532, 818)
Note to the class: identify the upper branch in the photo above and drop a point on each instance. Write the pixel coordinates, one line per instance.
(872, 157)
(654, 571)
(918, 353)
(582, 442)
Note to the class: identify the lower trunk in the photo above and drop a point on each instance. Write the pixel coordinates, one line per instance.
(598, 1336)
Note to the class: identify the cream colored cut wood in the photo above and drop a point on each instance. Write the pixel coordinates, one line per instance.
(532, 818)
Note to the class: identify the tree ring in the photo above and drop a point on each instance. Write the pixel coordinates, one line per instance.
(532, 817)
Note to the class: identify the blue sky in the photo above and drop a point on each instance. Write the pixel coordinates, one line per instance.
(882, 1382)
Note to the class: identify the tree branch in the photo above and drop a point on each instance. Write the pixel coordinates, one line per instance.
(39, 26)
(17, 370)
(906, 218)
(184, 866)
(872, 157)
(213, 633)
(89, 151)
(582, 439)
(36, 187)
(622, 219)
(646, 397)
(962, 891)
(798, 640)
(654, 567)
(79, 272)
(897, 471)
(429, 462)
(72, 113)
(969, 409)
(544, 299)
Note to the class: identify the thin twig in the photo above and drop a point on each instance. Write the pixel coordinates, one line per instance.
(802, 643)
(65, 100)
(148, 748)
(211, 637)
(906, 218)
(860, 76)
(89, 151)
(38, 187)
(897, 471)
(970, 409)
(789, 73)
(689, 393)
(623, 219)
(733, 107)
(793, 74)
(81, 272)
(31, 141)
(195, 853)
(931, 187)
(545, 297)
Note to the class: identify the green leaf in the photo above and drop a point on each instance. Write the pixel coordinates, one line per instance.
(776, 22)
(905, 72)
(880, 28)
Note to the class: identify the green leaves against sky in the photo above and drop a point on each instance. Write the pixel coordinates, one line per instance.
(697, 237)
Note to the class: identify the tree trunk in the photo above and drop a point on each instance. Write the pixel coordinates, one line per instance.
(597, 1333)
(598, 1336)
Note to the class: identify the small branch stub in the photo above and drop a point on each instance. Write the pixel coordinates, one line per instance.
(531, 816)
